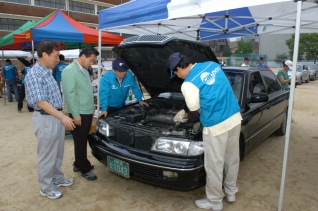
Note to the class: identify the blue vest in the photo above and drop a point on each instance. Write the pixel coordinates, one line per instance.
(9, 72)
(217, 100)
(26, 69)
(263, 65)
(58, 70)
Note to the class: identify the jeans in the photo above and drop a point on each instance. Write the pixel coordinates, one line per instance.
(21, 98)
(12, 84)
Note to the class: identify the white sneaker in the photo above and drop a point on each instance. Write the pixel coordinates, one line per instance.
(51, 193)
(205, 204)
(230, 198)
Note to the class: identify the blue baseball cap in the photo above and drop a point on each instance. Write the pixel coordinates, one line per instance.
(174, 59)
(120, 65)
(260, 58)
(246, 58)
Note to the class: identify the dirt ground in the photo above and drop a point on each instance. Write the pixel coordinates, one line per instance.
(258, 181)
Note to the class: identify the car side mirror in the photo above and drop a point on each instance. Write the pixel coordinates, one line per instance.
(259, 98)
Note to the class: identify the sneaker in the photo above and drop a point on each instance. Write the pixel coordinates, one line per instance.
(205, 204)
(230, 198)
(63, 182)
(52, 194)
(89, 176)
(76, 169)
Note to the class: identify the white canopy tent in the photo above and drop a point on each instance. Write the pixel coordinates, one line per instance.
(68, 54)
(15, 53)
(215, 19)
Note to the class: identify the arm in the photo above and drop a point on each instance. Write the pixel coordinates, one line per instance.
(66, 121)
(282, 80)
(104, 92)
(137, 92)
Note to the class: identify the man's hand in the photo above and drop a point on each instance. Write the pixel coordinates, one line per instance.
(78, 121)
(104, 113)
(142, 103)
(68, 122)
(179, 117)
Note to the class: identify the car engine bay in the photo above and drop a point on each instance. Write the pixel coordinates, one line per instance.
(155, 120)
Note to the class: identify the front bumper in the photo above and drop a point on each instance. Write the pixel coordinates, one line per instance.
(148, 167)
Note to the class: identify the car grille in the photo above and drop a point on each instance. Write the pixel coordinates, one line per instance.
(138, 169)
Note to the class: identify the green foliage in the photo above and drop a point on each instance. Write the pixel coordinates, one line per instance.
(308, 45)
(283, 56)
(244, 47)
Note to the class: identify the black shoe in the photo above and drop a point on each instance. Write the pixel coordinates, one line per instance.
(1, 96)
(89, 176)
(76, 169)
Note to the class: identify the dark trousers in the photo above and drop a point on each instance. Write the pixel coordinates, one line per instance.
(80, 135)
(21, 98)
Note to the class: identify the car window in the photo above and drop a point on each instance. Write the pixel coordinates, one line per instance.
(312, 67)
(299, 69)
(271, 83)
(256, 84)
(236, 81)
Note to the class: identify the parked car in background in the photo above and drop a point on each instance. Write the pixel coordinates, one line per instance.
(313, 69)
(302, 74)
(145, 144)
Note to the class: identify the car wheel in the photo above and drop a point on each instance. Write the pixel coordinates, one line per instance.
(314, 77)
(300, 81)
(307, 81)
(282, 130)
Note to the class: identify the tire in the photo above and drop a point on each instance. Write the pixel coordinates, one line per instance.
(314, 77)
(307, 81)
(300, 81)
(282, 130)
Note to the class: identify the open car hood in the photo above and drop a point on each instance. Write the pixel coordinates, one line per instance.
(147, 58)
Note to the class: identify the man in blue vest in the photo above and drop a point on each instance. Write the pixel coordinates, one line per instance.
(22, 94)
(261, 63)
(57, 71)
(10, 74)
(207, 91)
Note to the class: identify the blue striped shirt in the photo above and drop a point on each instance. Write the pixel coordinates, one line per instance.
(40, 85)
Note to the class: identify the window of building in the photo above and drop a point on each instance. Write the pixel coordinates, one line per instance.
(101, 8)
(59, 4)
(18, 1)
(11, 24)
(108, 55)
(81, 7)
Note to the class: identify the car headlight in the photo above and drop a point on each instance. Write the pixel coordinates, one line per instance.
(177, 146)
(103, 127)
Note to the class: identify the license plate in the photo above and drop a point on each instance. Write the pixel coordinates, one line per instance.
(117, 166)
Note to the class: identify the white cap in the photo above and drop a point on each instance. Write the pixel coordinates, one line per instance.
(289, 64)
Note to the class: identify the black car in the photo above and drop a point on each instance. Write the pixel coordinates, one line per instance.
(145, 144)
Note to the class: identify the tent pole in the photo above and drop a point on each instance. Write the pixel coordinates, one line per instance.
(4, 94)
(99, 66)
(32, 51)
(291, 100)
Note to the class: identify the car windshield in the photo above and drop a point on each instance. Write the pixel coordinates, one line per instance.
(236, 81)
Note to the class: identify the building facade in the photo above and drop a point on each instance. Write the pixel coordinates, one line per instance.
(14, 13)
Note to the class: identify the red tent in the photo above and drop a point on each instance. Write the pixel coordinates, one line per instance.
(60, 27)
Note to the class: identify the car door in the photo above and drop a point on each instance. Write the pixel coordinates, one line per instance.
(258, 114)
(306, 72)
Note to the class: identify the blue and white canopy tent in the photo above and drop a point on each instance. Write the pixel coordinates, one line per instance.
(204, 20)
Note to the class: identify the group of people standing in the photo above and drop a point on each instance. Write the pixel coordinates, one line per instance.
(260, 63)
(43, 85)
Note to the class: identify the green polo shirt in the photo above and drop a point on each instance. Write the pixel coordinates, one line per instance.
(78, 90)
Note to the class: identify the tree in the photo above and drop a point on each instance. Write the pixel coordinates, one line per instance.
(283, 56)
(308, 44)
(244, 47)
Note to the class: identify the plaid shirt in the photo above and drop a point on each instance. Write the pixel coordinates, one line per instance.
(40, 85)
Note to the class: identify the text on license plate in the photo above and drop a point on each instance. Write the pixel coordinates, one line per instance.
(118, 166)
